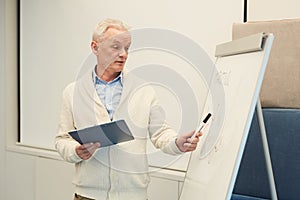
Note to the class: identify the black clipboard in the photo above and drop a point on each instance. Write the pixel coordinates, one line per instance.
(106, 134)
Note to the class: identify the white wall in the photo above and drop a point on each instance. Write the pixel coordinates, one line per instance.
(273, 10)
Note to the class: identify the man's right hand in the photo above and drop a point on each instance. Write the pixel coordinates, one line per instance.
(85, 151)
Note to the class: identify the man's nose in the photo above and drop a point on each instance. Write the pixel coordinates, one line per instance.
(123, 52)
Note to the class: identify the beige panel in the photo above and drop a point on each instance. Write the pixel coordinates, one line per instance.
(53, 179)
(163, 189)
(20, 177)
(281, 85)
(2, 96)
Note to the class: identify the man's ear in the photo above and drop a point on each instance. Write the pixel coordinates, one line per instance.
(94, 47)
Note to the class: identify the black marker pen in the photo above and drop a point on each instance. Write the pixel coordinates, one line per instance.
(201, 126)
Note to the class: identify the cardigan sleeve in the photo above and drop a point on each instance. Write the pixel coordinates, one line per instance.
(161, 134)
(64, 143)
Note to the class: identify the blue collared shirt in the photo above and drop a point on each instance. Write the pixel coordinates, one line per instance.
(109, 92)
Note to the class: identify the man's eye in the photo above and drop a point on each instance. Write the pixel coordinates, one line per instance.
(117, 47)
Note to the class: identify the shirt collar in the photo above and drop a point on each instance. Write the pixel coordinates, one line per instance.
(98, 80)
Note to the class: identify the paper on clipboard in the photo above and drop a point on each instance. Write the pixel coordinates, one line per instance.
(106, 134)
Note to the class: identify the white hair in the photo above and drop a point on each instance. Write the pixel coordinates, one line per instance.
(102, 27)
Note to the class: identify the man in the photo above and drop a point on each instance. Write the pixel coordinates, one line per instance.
(107, 93)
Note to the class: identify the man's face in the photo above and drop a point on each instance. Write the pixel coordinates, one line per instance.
(112, 51)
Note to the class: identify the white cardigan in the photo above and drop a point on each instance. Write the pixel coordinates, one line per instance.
(119, 171)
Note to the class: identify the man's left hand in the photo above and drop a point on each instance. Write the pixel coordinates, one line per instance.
(185, 143)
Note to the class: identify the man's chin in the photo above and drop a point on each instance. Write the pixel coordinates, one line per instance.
(118, 67)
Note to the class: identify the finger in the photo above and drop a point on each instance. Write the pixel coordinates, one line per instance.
(98, 144)
(93, 146)
(87, 153)
(193, 141)
(79, 149)
(190, 147)
(86, 156)
(82, 147)
(82, 152)
(199, 134)
(92, 149)
(88, 145)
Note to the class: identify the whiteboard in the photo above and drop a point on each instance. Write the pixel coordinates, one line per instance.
(211, 173)
(55, 40)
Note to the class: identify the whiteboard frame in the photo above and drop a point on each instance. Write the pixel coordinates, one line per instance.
(199, 182)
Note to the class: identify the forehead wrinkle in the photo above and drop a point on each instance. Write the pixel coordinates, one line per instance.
(121, 41)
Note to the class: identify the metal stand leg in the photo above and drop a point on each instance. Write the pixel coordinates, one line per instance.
(266, 150)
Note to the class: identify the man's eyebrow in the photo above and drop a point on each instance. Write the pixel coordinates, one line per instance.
(116, 41)
(120, 42)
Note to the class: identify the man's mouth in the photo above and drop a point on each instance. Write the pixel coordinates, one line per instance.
(120, 62)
